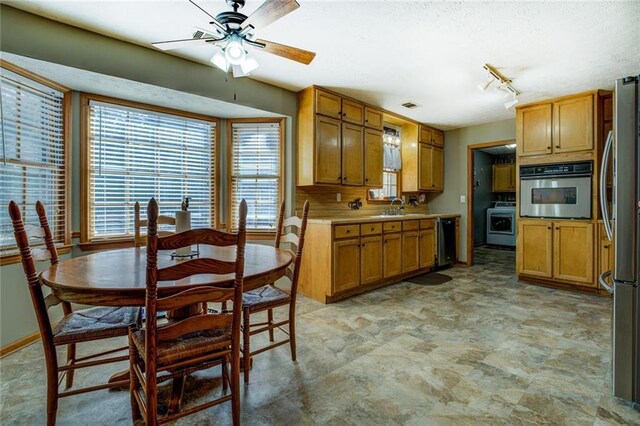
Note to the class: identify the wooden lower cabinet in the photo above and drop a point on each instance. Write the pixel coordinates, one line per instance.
(560, 250)
(370, 259)
(573, 252)
(346, 259)
(410, 251)
(392, 254)
(427, 248)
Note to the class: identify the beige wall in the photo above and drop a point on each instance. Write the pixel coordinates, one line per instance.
(32, 36)
(455, 166)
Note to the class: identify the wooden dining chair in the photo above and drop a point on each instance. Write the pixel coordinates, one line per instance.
(268, 297)
(140, 223)
(171, 351)
(86, 325)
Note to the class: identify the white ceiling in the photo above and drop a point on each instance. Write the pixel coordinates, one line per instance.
(389, 52)
(499, 150)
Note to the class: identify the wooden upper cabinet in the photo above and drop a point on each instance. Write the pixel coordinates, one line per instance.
(535, 253)
(373, 118)
(424, 134)
(370, 259)
(533, 127)
(425, 173)
(573, 124)
(328, 104)
(352, 154)
(352, 112)
(437, 168)
(346, 260)
(503, 177)
(373, 158)
(437, 138)
(328, 150)
(573, 252)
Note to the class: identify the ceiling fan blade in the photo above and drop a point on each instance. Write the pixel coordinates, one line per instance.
(269, 11)
(188, 42)
(214, 21)
(293, 53)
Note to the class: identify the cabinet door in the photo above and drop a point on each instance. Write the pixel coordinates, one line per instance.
(370, 259)
(501, 179)
(573, 252)
(392, 254)
(437, 169)
(533, 127)
(346, 261)
(427, 248)
(534, 253)
(328, 104)
(410, 251)
(573, 124)
(512, 169)
(437, 138)
(425, 173)
(373, 161)
(425, 135)
(373, 118)
(352, 112)
(352, 154)
(328, 151)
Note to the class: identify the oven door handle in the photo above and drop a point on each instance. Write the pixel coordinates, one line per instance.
(604, 171)
(555, 176)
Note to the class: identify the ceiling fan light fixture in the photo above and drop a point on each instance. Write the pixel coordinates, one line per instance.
(234, 50)
(249, 64)
(220, 61)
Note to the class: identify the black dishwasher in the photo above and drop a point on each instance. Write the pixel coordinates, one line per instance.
(446, 241)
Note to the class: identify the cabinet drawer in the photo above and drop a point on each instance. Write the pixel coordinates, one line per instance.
(410, 225)
(392, 226)
(370, 229)
(344, 231)
(428, 224)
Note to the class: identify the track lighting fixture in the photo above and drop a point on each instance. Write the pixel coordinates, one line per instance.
(503, 85)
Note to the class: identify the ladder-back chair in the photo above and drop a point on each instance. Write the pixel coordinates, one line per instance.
(268, 297)
(75, 327)
(183, 346)
(142, 223)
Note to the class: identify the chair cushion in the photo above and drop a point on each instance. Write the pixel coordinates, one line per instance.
(265, 297)
(94, 324)
(187, 346)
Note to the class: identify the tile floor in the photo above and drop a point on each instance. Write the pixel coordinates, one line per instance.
(480, 349)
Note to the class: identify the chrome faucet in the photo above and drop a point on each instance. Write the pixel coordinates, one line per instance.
(395, 211)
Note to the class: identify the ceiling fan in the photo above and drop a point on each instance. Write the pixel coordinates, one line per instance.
(232, 32)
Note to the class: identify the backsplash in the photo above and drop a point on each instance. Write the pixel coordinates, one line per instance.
(323, 202)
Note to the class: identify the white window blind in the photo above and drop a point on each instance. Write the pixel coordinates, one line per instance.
(137, 154)
(256, 174)
(32, 165)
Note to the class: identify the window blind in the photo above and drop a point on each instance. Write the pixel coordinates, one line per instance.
(256, 174)
(136, 154)
(32, 165)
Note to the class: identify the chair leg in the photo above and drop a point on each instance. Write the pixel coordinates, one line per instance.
(224, 307)
(235, 388)
(177, 390)
(52, 395)
(133, 380)
(71, 359)
(246, 343)
(225, 375)
(292, 330)
(205, 308)
(270, 318)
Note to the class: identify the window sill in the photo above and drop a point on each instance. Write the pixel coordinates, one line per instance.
(106, 244)
(11, 258)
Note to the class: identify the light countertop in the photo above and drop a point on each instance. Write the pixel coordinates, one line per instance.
(337, 220)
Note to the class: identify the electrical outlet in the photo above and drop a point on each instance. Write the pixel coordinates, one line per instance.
(463, 199)
(338, 197)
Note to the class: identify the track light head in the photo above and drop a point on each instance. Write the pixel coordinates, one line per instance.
(511, 104)
(485, 84)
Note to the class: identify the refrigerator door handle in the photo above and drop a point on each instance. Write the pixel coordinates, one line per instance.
(604, 170)
(603, 282)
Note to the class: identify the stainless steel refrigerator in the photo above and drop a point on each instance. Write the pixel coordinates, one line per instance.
(620, 206)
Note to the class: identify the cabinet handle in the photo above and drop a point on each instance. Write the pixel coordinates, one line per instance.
(366, 180)
(339, 177)
(557, 146)
(557, 229)
(606, 246)
(549, 148)
(366, 121)
(548, 227)
(362, 245)
(348, 230)
(345, 178)
(372, 229)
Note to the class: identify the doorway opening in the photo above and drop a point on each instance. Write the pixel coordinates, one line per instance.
(491, 204)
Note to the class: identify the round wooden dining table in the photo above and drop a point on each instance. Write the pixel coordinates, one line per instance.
(118, 277)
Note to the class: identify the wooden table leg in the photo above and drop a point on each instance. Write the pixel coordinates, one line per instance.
(177, 389)
(117, 377)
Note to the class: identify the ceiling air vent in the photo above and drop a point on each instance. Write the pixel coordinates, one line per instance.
(410, 105)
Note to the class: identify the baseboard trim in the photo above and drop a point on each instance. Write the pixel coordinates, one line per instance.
(19, 344)
(563, 286)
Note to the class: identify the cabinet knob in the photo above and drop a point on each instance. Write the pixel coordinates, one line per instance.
(372, 229)
(549, 147)
(606, 246)
(557, 146)
(339, 177)
(548, 227)
(344, 114)
(348, 230)
(362, 245)
(366, 121)
(366, 180)
(345, 178)
(557, 229)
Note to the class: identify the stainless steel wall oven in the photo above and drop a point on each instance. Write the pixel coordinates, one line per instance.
(556, 190)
